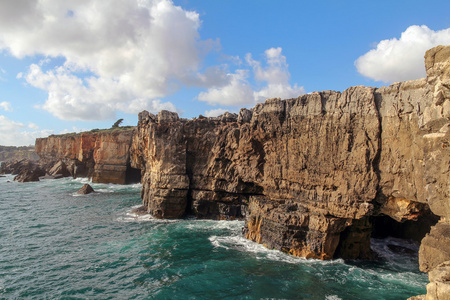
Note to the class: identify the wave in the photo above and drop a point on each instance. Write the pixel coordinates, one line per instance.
(132, 215)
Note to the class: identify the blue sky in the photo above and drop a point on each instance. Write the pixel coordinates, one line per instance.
(75, 65)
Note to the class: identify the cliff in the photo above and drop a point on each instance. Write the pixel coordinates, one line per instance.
(100, 155)
(315, 176)
(8, 153)
(312, 176)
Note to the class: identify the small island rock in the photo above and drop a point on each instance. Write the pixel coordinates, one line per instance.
(86, 189)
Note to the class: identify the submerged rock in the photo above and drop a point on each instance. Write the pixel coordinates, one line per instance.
(86, 189)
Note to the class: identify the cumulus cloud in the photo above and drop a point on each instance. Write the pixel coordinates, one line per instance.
(5, 106)
(215, 112)
(401, 59)
(272, 77)
(236, 92)
(18, 134)
(119, 55)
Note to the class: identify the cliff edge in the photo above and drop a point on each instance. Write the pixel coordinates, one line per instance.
(312, 176)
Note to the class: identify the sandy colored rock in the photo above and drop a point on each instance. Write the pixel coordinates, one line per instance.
(100, 155)
(305, 173)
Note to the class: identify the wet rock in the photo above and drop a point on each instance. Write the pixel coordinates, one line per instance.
(86, 189)
(26, 170)
(59, 170)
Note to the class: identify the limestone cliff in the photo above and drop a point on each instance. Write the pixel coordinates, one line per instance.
(310, 175)
(313, 176)
(101, 155)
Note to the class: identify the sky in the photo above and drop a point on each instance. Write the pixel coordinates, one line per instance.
(76, 65)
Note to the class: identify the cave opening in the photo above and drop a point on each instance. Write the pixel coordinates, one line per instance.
(384, 226)
(355, 241)
(132, 175)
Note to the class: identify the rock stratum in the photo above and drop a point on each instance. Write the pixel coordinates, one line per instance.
(103, 155)
(315, 176)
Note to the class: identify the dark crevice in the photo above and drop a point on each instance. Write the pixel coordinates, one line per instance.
(132, 175)
(385, 226)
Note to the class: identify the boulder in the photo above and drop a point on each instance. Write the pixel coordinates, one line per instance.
(59, 168)
(86, 189)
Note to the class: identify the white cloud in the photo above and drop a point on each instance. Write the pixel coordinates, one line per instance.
(216, 112)
(274, 75)
(6, 106)
(236, 92)
(16, 134)
(119, 55)
(401, 59)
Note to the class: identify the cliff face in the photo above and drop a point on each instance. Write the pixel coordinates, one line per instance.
(103, 156)
(313, 176)
(9, 153)
(310, 175)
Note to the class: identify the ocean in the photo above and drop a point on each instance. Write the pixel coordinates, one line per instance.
(55, 244)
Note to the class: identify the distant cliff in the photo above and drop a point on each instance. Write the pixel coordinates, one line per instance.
(102, 155)
(16, 153)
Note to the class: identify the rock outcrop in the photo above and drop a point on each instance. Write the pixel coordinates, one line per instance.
(25, 170)
(85, 189)
(310, 175)
(313, 176)
(100, 155)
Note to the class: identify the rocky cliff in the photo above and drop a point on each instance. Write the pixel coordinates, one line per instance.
(100, 155)
(315, 176)
(312, 176)
(8, 153)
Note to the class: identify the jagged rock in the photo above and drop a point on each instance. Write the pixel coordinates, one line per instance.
(86, 189)
(26, 170)
(229, 117)
(166, 116)
(307, 172)
(435, 247)
(245, 115)
(30, 172)
(401, 209)
(59, 170)
(439, 286)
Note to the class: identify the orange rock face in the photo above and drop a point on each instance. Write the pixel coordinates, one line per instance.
(103, 156)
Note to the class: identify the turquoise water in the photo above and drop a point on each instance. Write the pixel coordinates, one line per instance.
(56, 245)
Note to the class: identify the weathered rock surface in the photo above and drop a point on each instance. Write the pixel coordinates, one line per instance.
(26, 170)
(310, 175)
(85, 189)
(103, 155)
(439, 286)
(307, 174)
(11, 153)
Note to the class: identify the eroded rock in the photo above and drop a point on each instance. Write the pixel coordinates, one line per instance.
(85, 189)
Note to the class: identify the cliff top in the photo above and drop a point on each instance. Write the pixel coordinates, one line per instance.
(96, 130)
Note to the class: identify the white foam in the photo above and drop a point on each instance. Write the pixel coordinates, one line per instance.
(82, 179)
(238, 242)
(215, 225)
(332, 297)
(132, 216)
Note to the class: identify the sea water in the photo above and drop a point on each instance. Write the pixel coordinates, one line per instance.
(55, 244)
